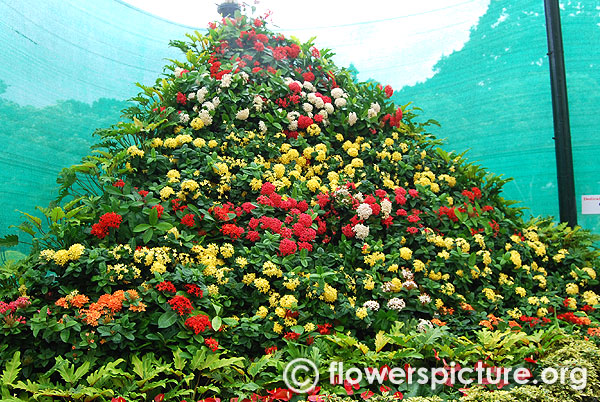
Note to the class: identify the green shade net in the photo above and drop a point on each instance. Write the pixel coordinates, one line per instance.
(493, 97)
(68, 67)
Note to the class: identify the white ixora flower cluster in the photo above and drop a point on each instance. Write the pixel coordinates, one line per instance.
(339, 97)
(371, 305)
(361, 231)
(203, 108)
(396, 303)
(386, 208)
(424, 325)
(184, 118)
(364, 211)
(352, 118)
(373, 110)
(424, 298)
(243, 114)
(258, 103)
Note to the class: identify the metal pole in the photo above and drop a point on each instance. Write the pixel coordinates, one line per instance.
(560, 111)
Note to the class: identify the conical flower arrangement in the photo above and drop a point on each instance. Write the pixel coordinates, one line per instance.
(259, 204)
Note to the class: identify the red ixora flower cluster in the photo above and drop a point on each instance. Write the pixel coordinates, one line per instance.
(175, 204)
(324, 329)
(166, 286)
(108, 220)
(192, 289)
(475, 193)
(533, 321)
(291, 336)
(287, 247)
(222, 213)
(181, 98)
(574, 319)
(232, 230)
(198, 323)
(304, 122)
(449, 212)
(212, 344)
(270, 350)
(393, 119)
(181, 304)
(389, 91)
(188, 220)
(159, 210)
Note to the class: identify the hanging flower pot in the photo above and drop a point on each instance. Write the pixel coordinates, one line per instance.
(228, 9)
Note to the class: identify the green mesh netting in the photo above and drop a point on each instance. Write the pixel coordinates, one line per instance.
(66, 68)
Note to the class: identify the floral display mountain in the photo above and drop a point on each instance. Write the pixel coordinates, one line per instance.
(258, 204)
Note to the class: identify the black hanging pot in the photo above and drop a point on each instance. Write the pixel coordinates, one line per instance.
(228, 9)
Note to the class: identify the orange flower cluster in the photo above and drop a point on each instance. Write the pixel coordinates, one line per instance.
(75, 299)
(491, 322)
(446, 310)
(513, 324)
(107, 305)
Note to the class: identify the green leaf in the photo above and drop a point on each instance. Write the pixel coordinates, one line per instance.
(138, 123)
(9, 241)
(407, 353)
(81, 371)
(257, 366)
(112, 190)
(153, 216)
(74, 211)
(72, 203)
(148, 235)
(218, 309)
(36, 221)
(141, 227)
(216, 323)
(380, 341)
(178, 359)
(164, 226)
(64, 335)
(167, 319)
(198, 360)
(56, 214)
(10, 373)
(220, 363)
(24, 227)
(472, 259)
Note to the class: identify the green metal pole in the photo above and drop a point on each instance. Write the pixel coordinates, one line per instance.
(560, 111)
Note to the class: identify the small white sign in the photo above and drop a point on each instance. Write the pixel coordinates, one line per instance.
(590, 204)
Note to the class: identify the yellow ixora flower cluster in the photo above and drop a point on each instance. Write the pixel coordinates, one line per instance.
(157, 258)
(62, 257)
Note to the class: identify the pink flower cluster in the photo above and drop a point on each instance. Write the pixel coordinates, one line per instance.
(14, 305)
